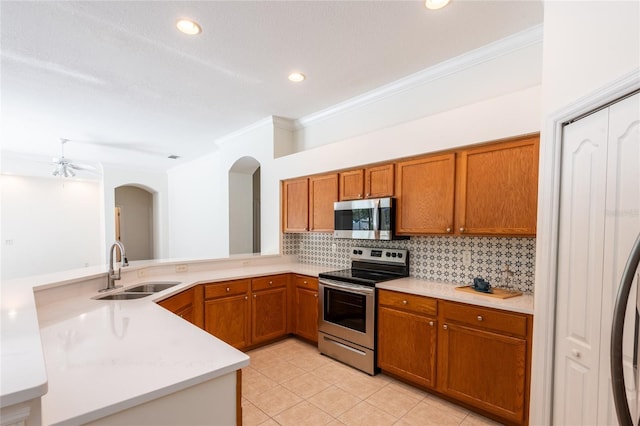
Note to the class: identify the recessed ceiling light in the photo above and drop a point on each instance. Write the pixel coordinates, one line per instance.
(296, 77)
(436, 4)
(188, 26)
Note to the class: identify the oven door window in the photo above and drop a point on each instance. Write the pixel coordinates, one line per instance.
(346, 309)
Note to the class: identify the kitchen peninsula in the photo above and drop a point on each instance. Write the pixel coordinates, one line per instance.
(108, 361)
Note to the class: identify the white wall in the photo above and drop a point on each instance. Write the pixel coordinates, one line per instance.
(587, 45)
(53, 224)
(240, 213)
(154, 182)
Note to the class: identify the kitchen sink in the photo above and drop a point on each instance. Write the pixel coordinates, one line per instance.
(124, 296)
(153, 287)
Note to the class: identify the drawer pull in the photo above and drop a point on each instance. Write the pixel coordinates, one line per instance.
(449, 229)
(480, 318)
(304, 282)
(254, 296)
(270, 282)
(315, 295)
(368, 194)
(446, 327)
(576, 353)
(461, 229)
(431, 323)
(228, 289)
(404, 302)
(246, 298)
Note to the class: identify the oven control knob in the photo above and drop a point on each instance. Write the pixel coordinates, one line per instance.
(355, 252)
(394, 254)
(359, 251)
(388, 254)
(400, 255)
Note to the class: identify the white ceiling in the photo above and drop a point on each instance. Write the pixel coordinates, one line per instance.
(118, 73)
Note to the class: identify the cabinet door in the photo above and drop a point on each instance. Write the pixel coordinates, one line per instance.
(378, 181)
(498, 189)
(483, 369)
(268, 314)
(352, 185)
(295, 205)
(323, 192)
(227, 318)
(424, 190)
(187, 305)
(307, 314)
(407, 345)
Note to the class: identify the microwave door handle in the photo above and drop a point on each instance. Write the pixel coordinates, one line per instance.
(376, 216)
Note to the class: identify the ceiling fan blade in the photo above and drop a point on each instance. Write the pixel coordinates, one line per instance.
(85, 167)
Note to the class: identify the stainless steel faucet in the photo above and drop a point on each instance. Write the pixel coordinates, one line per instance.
(112, 276)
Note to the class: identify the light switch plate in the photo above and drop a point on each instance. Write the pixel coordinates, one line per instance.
(182, 268)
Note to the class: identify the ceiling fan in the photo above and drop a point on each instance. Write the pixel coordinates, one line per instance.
(63, 167)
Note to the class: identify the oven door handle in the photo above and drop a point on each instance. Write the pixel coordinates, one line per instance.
(366, 291)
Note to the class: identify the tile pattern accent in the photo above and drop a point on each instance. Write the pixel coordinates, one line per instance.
(437, 258)
(323, 391)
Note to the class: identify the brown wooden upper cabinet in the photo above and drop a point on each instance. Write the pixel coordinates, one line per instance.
(497, 188)
(323, 192)
(372, 182)
(425, 194)
(295, 205)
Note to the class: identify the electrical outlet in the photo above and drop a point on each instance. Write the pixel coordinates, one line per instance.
(334, 248)
(141, 273)
(182, 268)
(466, 257)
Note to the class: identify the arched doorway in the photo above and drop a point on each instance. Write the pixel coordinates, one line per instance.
(244, 206)
(134, 221)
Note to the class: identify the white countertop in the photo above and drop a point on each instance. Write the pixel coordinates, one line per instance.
(105, 356)
(447, 291)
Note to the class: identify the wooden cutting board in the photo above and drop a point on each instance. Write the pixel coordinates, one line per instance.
(497, 292)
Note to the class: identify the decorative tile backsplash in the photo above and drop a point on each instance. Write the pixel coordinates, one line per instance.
(437, 258)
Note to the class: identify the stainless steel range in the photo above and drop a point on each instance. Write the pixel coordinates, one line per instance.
(347, 305)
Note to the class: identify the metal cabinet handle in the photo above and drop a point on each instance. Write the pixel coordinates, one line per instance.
(254, 296)
(368, 194)
(359, 195)
(304, 282)
(315, 295)
(431, 323)
(446, 327)
(461, 229)
(228, 289)
(449, 229)
(576, 353)
(246, 298)
(480, 318)
(270, 282)
(404, 302)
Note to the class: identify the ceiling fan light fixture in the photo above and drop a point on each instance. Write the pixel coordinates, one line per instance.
(188, 26)
(436, 4)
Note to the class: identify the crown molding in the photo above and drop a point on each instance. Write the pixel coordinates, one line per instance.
(512, 43)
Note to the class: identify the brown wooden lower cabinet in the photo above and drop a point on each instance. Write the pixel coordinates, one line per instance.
(186, 304)
(483, 355)
(227, 312)
(306, 307)
(407, 337)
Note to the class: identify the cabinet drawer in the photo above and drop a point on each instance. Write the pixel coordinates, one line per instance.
(409, 302)
(227, 288)
(272, 281)
(486, 318)
(310, 283)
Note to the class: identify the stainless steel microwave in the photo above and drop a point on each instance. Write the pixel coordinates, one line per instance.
(372, 219)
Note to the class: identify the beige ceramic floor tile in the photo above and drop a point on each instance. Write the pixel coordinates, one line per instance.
(276, 400)
(334, 401)
(424, 414)
(362, 385)
(303, 414)
(333, 372)
(401, 387)
(309, 361)
(252, 415)
(266, 360)
(478, 420)
(365, 414)
(391, 401)
(446, 407)
(282, 372)
(255, 383)
(269, 422)
(335, 422)
(306, 385)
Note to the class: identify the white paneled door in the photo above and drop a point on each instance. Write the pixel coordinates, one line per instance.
(599, 221)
